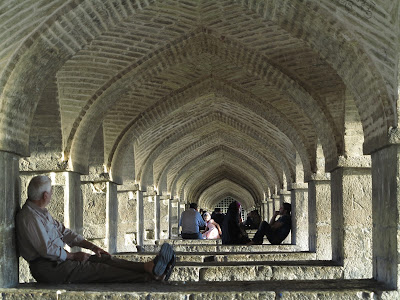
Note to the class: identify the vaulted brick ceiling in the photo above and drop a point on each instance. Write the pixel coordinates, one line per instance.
(198, 66)
(207, 93)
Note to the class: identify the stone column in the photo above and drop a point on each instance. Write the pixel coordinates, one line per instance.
(157, 217)
(300, 215)
(10, 191)
(94, 197)
(164, 217)
(264, 215)
(111, 217)
(351, 186)
(73, 202)
(385, 214)
(140, 218)
(285, 196)
(149, 219)
(319, 214)
(271, 209)
(277, 202)
(174, 218)
(127, 220)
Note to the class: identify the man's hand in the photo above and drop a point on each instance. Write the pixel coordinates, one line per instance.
(78, 256)
(90, 246)
(98, 251)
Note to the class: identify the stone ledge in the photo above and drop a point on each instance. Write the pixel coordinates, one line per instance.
(255, 271)
(214, 246)
(292, 289)
(226, 257)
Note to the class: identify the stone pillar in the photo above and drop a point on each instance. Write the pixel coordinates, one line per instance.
(264, 215)
(164, 217)
(140, 218)
(94, 195)
(319, 214)
(111, 217)
(385, 214)
(157, 217)
(285, 196)
(73, 202)
(270, 210)
(277, 202)
(300, 215)
(351, 187)
(174, 218)
(127, 220)
(10, 191)
(149, 219)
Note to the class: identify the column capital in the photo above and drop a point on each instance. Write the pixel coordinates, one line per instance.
(354, 161)
(320, 176)
(128, 186)
(299, 186)
(284, 192)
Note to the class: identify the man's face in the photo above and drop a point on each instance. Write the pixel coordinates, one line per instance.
(281, 210)
(47, 196)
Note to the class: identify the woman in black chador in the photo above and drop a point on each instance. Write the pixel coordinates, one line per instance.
(233, 232)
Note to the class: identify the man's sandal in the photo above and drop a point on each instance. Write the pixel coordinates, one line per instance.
(163, 260)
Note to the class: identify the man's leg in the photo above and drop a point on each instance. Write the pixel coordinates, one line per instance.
(264, 229)
(85, 272)
(111, 271)
(192, 236)
(105, 269)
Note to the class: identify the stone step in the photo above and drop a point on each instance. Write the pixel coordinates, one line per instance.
(224, 257)
(215, 268)
(192, 246)
(180, 241)
(269, 290)
(256, 271)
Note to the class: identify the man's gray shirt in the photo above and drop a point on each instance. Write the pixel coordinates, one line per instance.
(191, 220)
(39, 235)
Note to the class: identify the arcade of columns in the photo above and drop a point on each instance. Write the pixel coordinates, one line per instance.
(136, 108)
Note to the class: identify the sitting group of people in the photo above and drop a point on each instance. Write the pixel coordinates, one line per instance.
(232, 230)
(41, 241)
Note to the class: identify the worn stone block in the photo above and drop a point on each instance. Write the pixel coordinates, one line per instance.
(238, 273)
(184, 274)
(306, 272)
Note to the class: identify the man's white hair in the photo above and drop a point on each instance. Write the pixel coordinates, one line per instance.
(37, 186)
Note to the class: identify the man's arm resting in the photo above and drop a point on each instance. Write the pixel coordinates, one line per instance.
(90, 246)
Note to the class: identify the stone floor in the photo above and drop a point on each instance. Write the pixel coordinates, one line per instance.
(292, 289)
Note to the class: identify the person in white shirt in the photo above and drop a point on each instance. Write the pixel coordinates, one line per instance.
(41, 241)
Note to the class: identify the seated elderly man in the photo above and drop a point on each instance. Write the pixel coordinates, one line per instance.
(41, 241)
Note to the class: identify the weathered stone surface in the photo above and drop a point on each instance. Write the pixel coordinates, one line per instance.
(324, 289)
(244, 273)
(306, 273)
(94, 213)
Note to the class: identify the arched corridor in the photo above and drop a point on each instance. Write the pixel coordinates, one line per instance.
(136, 108)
